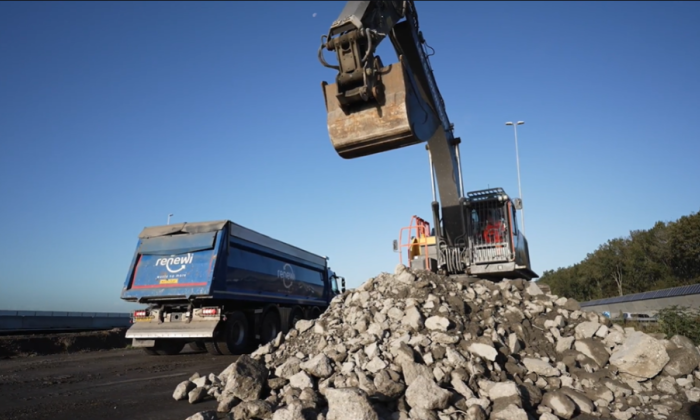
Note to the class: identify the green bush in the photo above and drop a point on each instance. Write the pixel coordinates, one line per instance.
(680, 320)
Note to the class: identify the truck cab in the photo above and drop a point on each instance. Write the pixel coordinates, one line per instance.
(334, 289)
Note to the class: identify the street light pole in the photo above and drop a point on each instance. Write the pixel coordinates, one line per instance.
(517, 160)
(169, 217)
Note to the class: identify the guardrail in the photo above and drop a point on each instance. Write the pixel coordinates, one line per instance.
(27, 321)
(648, 303)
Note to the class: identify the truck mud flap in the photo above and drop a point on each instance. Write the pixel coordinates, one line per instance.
(378, 126)
(152, 330)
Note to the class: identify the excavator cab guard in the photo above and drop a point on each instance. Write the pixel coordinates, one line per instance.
(497, 247)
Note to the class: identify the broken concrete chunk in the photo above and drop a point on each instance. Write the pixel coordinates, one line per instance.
(540, 367)
(640, 355)
(682, 361)
(204, 415)
(586, 329)
(483, 350)
(252, 410)
(406, 277)
(594, 349)
(439, 323)
(289, 368)
(582, 402)
(560, 404)
(462, 388)
(506, 389)
(293, 411)
(564, 344)
(533, 289)
(197, 395)
(301, 380)
(476, 412)
(412, 370)
(693, 394)
(509, 412)
(413, 319)
(319, 366)
(182, 390)
(349, 403)
(424, 393)
(247, 379)
(304, 325)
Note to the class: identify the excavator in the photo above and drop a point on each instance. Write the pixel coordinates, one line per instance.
(373, 108)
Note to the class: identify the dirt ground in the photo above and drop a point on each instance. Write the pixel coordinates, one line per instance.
(108, 385)
(45, 344)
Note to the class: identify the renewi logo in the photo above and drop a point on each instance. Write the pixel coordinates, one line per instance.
(174, 261)
(287, 275)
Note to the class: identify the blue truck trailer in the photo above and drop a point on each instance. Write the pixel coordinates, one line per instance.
(221, 287)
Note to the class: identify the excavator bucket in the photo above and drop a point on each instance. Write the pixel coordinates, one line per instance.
(397, 119)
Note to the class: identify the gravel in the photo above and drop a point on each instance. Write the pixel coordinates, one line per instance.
(417, 345)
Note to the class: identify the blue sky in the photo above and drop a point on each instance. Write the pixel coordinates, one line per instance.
(115, 114)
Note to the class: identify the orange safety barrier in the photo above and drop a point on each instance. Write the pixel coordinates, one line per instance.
(422, 232)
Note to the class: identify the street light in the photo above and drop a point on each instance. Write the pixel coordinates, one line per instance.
(517, 160)
(170, 215)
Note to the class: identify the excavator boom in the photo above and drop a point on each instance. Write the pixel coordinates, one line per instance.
(373, 108)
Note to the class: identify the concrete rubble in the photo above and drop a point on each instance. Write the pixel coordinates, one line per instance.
(417, 345)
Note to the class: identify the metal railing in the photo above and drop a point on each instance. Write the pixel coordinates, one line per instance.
(60, 313)
(39, 321)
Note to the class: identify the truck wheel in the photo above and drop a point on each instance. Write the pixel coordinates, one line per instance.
(212, 348)
(294, 316)
(236, 337)
(315, 312)
(271, 326)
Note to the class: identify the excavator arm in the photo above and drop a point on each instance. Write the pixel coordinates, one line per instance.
(374, 108)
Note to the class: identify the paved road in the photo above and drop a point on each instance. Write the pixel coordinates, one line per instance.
(121, 385)
(107, 385)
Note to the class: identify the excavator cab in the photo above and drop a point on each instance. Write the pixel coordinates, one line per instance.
(496, 246)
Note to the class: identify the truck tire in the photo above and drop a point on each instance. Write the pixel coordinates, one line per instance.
(295, 315)
(315, 312)
(212, 348)
(271, 326)
(236, 337)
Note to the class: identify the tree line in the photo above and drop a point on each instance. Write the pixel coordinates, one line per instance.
(667, 255)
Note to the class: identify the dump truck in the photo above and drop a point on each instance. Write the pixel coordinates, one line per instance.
(221, 287)
(374, 108)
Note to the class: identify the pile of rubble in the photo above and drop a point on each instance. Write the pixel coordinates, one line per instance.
(417, 345)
